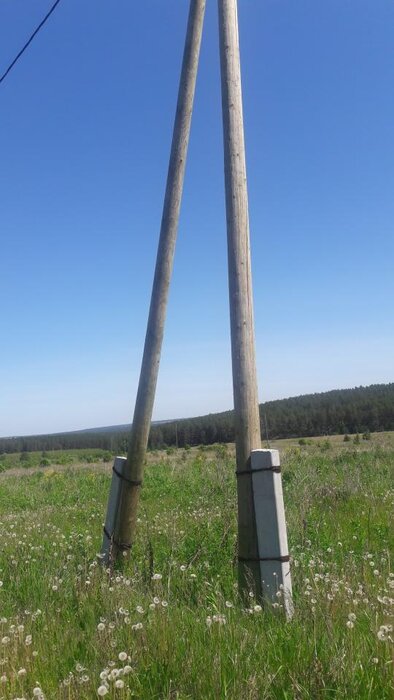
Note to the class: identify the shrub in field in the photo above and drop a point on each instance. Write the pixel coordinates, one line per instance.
(347, 438)
(45, 462)
(326, 445)
(367, 435)
(221, 450)
(356, 439)
(63, 458)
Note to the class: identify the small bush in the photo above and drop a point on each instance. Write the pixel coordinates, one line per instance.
(107, 457)
(221, 450)
(326, 445)
(302, 441)
(64, 459)
(367, 435)
(347, 438)
(45, 462)
(356, 439)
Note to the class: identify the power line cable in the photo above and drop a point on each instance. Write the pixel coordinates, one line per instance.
(29, 40)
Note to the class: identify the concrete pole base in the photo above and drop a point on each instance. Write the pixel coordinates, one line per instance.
(271, 528)
(112, 511)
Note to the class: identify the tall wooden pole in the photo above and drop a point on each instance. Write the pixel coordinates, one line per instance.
(134, 467)
(247, 420)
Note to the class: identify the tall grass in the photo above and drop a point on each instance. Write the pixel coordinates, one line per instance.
(171, 625)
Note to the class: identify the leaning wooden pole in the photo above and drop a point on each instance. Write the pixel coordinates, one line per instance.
(247, 420)
(134, 467)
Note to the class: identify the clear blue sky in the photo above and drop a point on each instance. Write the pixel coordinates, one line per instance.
(86, 123)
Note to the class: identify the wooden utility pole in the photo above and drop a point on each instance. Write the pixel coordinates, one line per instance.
(134, 467)
(247, 419)
(263, 558)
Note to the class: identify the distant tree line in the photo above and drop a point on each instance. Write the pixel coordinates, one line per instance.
(344, 411)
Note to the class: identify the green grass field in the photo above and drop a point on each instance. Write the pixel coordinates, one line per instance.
(171, 625)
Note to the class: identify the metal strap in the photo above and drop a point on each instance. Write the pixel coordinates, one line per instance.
(285, 558)
(120, 545)
(261, 469)
(125, 478)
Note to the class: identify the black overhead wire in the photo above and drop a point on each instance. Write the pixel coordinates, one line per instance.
(29, 40)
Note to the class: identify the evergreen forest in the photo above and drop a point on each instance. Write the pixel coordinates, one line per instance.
(343, 411)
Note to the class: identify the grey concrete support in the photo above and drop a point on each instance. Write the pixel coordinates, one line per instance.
(112, 510)
(271, 528)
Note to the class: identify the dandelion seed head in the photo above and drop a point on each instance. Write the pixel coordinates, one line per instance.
(382, 633)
